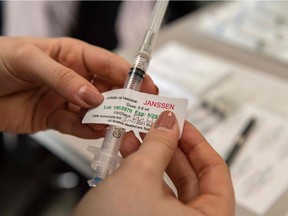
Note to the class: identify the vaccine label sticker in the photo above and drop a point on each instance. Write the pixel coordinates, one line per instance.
(134, 110)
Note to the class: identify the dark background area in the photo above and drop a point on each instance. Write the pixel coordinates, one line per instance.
(32, 180)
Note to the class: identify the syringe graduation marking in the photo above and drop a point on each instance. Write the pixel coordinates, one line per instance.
(136, 75)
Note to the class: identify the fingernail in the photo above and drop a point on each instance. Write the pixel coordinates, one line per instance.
(167, 119)
(90, 96)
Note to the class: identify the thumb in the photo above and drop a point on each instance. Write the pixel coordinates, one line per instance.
(158, 146)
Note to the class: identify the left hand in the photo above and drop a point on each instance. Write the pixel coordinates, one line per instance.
(45, 83)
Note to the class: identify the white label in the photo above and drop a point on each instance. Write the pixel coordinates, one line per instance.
(134, 110)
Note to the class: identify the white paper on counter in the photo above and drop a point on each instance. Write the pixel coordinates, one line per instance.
(259, 172)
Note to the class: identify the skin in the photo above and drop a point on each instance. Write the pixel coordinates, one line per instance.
(46, 84)
(137, 188)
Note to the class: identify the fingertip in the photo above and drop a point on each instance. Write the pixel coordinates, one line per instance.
(166, 120)
(164, 130)
(149, 86)
(90, 95)
(190, 137)
(68, 123)
(161, 141)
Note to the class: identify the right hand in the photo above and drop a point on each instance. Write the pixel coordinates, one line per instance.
(137, 188)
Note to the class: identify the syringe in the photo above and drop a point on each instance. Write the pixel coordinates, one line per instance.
(106, 158)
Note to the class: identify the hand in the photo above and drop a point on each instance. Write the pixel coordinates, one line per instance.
(45, 83)
(136, 188)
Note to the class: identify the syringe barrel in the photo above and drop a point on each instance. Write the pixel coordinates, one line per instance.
(113, 139)
(106, 159)
(135, 78)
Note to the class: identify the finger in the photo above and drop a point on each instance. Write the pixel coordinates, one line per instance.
(129, 145)
(213, 174)
(142, 135)
(105, 64)
(88, 60)
(157, 148)
(183, 177)
(69, 123)
(113, 68)
(73, 108)
(98, 126)
(36, 66)
(103, 85)
(167, 189)
(148, 86)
